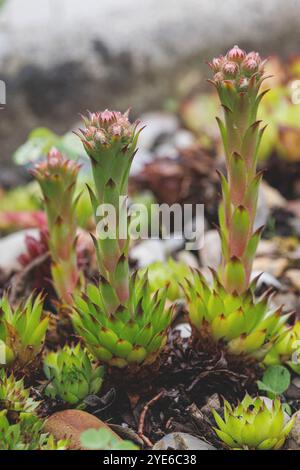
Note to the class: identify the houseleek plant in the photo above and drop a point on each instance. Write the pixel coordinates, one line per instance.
(14, 397)
(227, 311)
(120, 321)
(286, 349)
(57, 177)
(22, 332)
(71, 375)
(252, 425)
(26, 434)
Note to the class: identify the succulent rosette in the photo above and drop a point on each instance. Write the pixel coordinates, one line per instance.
(228, 311)
(26, 434)
(286, 350)
(245, 325)
(22, 332)
(14, 396)
(71, 374)
(57, 177)
(172, 274)
(133, 334)
(120, 320)
(253, 425)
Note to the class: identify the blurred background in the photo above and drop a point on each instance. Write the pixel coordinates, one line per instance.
(61, 57)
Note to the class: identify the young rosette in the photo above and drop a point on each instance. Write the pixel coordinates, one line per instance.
(253, 425)
(22, 333)
(57, 177)
(286, 350)
(26, 434)
(244, 325)
(71, 374)
(172, 273)
(134, 333)
(14, 396)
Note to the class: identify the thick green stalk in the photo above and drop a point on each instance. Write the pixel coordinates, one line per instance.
(57, 178)
(238, 77)
(110, 141)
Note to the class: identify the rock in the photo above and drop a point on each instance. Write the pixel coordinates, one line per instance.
(296, 382)
(212, 402)
(290, 301)
(145, 156)
(266, 248)
(184, 329)
(294, 206)
(159, 127)
(187, 258)
(293, 392)
(263, 210)
(183, 139)
(293, 441)
(210, 254)
(276, 267)
(182, 441)
(71, 423)
(293, 275)
(266, 279)
(147, 252)
(11, 247)
(272, 196)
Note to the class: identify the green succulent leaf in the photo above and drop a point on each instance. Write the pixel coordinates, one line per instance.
(276, 380)
(104, 439)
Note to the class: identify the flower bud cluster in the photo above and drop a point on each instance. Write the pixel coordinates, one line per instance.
(237, 67)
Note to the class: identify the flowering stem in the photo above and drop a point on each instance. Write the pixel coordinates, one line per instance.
(110, 141)
(57, 178)
(238, 77)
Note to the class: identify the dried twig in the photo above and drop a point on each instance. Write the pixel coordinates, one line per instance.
(143, 416)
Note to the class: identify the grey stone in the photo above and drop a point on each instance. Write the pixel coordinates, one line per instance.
(184, 329)
(159, 126)
(210, 253)
(147, 252)
(11, 247)
(182, 441)
(293, 441)
(267, 279)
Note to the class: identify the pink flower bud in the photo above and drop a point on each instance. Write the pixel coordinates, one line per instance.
(218, 77)
(231, 69)
(54, 157)
(236, 54)
(250, 65)
(106, 116)
(104, 128)
(100, 137)
(90, 133)
(254, 56)
(216, 64)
